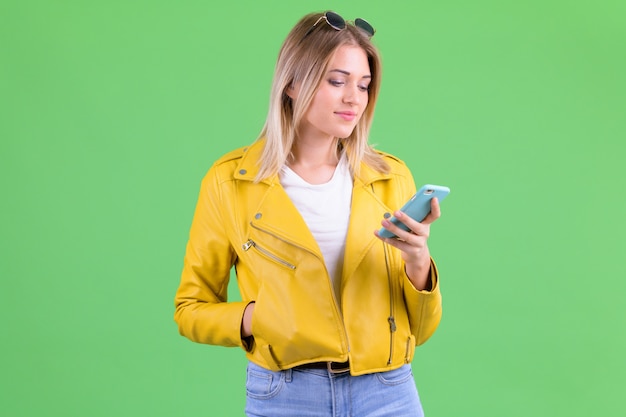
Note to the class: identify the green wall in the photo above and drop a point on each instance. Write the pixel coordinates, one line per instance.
(112, 111)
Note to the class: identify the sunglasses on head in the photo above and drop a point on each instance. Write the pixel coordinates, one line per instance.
(338, 23)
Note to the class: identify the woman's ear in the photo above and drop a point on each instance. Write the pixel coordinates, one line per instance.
(291, 91)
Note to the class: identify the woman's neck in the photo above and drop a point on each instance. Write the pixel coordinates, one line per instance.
(315, 162)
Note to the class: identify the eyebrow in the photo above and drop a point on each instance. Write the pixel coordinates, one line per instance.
(347, 73)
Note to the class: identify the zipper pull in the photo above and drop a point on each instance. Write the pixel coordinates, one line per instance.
(392, 324)
(248, 244)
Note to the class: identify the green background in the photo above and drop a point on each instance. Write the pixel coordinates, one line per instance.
(112, 111)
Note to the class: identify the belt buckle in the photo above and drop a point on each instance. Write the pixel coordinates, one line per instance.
(329, 366)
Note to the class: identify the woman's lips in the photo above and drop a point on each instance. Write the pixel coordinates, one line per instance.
(346, 115)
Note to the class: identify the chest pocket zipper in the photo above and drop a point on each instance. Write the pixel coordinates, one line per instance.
(252, 244)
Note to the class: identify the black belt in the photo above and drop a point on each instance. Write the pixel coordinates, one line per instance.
(332, 367)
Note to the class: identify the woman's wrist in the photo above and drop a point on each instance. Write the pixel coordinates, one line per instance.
(246, 321)
(419, 274)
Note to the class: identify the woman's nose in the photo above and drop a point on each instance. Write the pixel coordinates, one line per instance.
(351, 94)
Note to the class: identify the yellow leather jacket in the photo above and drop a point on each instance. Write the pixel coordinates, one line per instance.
(379, 318)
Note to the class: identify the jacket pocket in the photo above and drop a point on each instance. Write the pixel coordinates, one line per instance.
(268, 355)
(252, 244)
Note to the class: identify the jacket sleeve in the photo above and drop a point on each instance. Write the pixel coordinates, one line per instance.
(202, 311)
(424, 307)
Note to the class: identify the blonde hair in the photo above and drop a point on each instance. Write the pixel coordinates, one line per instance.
(303, 59)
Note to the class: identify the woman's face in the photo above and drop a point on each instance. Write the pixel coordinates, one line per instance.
(341, 98)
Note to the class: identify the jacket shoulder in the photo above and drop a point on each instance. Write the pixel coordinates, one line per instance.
(235, 154)
(223, 169)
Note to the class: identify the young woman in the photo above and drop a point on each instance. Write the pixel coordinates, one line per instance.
(330, 312)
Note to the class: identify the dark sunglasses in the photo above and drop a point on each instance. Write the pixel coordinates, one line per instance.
(338, 23)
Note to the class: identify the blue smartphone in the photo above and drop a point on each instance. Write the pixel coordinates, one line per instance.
(418, 206)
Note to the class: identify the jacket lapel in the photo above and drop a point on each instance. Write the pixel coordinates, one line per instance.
(279, 216)
(366, 213)
(275, 213)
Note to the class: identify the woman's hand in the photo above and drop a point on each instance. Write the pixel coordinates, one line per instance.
(413, 244)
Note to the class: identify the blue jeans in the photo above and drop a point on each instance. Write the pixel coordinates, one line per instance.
(318, 393)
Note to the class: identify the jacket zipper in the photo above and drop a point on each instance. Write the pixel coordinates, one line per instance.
(249, 243)
(407, 358)
(252, 244)
(391, 319)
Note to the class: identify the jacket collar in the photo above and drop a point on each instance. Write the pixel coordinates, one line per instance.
(248, 168)
(367, 175)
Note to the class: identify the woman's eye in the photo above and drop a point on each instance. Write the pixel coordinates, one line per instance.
(341, 83)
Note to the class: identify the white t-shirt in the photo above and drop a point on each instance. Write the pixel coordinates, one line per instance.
(326, 210)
